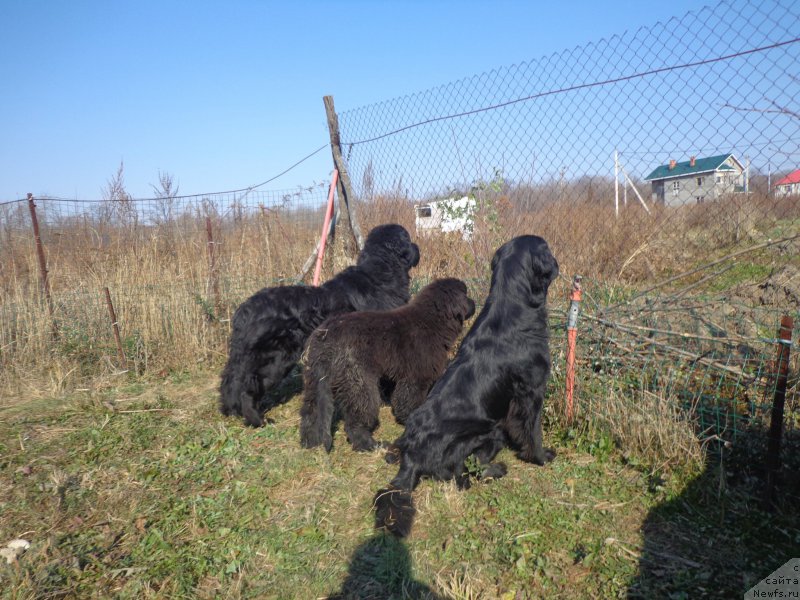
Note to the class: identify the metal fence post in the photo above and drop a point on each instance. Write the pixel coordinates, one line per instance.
(572, 336)
(773, 461)
(212, 266)
(325, 228)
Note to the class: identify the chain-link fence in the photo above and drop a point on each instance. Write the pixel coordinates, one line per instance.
(175, 266)
(663, 160)
(626, 152)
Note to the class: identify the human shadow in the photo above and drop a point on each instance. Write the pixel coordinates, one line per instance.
(380, 569)
(718, 538)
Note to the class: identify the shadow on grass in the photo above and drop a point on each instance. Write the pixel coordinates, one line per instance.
(289, 387)
(715, 540)
(381, 569)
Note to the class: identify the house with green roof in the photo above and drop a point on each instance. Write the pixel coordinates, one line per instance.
(697, 180)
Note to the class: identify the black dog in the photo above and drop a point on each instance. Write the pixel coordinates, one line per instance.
(491, 395)
(271, 327)
(351, 358)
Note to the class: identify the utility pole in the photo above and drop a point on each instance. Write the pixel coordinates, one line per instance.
(625, 193)
(769, 177)
(747, 176)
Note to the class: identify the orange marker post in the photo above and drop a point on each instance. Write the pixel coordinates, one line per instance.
(572, 336)
(325, 226)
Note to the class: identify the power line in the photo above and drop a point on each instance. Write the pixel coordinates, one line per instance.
(299, 162)
(578, 87)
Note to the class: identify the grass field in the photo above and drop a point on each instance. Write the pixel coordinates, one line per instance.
(142, 490)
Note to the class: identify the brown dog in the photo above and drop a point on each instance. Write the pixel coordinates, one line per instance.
(355, 359)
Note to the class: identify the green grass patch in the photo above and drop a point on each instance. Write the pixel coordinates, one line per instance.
(739, 273)
(145, 491)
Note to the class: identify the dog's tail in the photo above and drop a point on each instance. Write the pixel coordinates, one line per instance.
(316, 414)
(239, 386)
(394, 506)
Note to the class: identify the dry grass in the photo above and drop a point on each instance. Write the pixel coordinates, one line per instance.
(649, 426)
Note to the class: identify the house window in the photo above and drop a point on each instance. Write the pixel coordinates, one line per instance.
(699, 182)
(676, 187)
(424, 211)
(719, 179)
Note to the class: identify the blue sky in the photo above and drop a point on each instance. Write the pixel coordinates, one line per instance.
(223, 95)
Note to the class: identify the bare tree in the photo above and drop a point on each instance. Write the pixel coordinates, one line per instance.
(118, 203)
(165, 192)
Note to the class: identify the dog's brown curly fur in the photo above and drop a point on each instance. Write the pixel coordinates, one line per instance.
(354, 359)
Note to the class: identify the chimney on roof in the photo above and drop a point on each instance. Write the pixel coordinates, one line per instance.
(692, 161)
(672, 164)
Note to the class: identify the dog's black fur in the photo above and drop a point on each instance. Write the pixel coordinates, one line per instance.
(271, 327)
(490, 396)
(404, 351)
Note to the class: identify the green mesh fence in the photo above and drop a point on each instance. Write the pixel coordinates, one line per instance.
(717, 358)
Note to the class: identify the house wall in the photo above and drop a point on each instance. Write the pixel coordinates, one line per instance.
(690, 192)
(789, 189)
(713, 185)
(451, 215)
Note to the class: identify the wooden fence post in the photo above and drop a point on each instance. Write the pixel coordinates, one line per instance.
(42, 264)
(352, 241)
(115, 326)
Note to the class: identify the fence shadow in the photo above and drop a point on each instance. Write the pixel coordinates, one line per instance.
(380, 569)
(715, 540)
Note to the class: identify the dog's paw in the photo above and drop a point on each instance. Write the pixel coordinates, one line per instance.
(254, 422)
(547, 456)
(494, 471)
(367, 445)
(392, 455)
(394, 511)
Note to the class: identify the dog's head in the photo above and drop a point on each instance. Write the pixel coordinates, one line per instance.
(524, 267)
(390, 241)
(448, 297)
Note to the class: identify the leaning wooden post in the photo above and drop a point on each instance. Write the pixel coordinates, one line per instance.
(349, 218)
(115, 326)
(773, 462)
(212, 266)
(42, 263)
